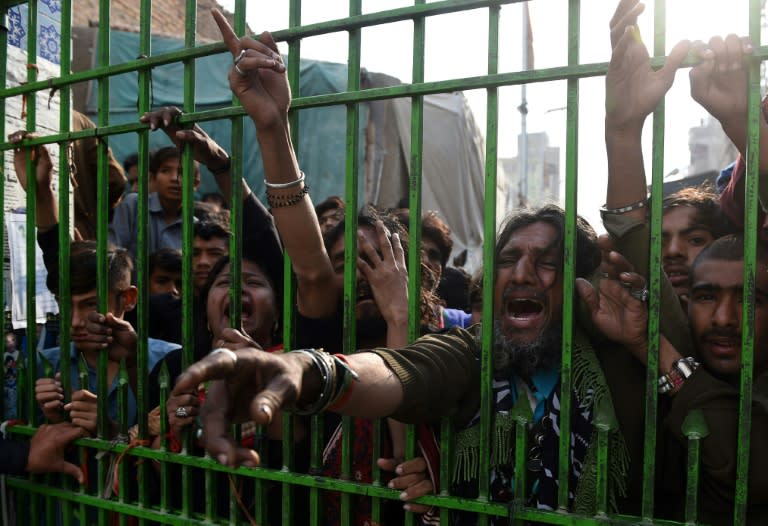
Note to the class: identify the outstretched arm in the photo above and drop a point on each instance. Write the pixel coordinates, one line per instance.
(433, 377)
(265, 95)
(251, 384)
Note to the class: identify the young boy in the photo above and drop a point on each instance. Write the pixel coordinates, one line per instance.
(164, 206)
(94, 333)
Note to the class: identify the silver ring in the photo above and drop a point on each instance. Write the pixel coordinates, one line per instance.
(240, 57)
(240, 71)
(639, 294)
(181, 412)
(228, 352)
(605, 275)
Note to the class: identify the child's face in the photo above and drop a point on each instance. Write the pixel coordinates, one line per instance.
(163, 281)
(167, 181)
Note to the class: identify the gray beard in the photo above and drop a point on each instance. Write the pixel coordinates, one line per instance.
(523, 359)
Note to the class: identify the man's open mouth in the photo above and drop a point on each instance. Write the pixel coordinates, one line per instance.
(524, 308)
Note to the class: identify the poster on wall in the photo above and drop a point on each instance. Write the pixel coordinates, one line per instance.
(47, 111)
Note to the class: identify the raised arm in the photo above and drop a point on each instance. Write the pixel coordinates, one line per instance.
(632, 91)
(260, 82)
(47, 207)
(719, 83)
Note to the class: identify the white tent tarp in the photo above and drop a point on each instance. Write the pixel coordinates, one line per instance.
(453, 167)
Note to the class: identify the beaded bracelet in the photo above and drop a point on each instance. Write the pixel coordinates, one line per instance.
(625, 209)
(291, 184)
(282, 201)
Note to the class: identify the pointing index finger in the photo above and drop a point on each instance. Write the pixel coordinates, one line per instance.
(227, 33)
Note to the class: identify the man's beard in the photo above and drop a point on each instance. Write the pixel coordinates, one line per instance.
(523, 359)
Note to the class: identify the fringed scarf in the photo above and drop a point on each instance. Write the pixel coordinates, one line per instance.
(589, 392)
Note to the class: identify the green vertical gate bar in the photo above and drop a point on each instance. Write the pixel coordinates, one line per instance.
(751, 228)
(414, 228)
(695, 429)
(187, 193)
(142, 249)
(654, 279)
(102, 214)
(236, 204)
(569, 254)
(414, 181)
(65, 307)
(489, 260)
(31, 291)
(289, 280)
(31, 107)
(235, 246)
(350, 237)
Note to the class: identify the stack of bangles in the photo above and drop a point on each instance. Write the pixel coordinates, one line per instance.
(682, 369)
(280, 201)
(337, 381)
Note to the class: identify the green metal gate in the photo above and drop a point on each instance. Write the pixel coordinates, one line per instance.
(47, 498)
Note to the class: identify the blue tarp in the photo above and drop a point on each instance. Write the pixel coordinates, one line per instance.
(322, 137)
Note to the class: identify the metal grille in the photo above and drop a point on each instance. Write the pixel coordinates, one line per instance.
(45, 498)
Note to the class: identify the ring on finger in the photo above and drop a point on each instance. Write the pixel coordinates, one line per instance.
(639, 294)
(240, 57)
(240, 71)
(181, 412)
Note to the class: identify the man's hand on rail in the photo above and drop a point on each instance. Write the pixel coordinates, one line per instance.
(205, 150)
(40, 158)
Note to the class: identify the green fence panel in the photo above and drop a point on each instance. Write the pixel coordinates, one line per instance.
(156, 473)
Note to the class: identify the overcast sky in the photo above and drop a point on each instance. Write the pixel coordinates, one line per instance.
(457, 47)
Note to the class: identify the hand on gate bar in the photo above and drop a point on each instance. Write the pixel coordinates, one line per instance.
(50, 397)
(83, 410)
(720, 83)
(205, 149)
(47, 448)
(412, 478)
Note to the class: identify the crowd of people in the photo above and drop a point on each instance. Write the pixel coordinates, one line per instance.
(241, 374)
